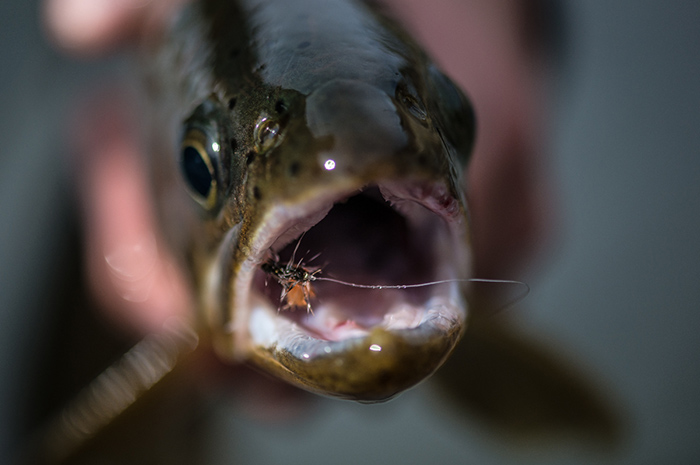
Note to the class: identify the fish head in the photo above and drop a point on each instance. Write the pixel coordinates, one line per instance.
(353, 176)
(374, 186)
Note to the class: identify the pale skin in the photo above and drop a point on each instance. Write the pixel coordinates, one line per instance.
(478, 42)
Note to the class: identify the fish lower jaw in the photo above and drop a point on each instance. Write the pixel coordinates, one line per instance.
(329, 325)
(338, 357)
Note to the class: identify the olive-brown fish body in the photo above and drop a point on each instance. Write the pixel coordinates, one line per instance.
(276, 119)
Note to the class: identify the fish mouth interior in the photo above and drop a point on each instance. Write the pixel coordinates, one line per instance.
(384, 235)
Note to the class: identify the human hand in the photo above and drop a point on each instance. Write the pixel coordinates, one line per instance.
(94, 27)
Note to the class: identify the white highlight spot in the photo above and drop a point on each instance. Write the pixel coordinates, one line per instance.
(306, 356)
(215, 146)
(375, 348)
(132, 267)
(329, 164)
(262, 327)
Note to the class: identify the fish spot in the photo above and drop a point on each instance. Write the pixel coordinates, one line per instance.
(233, 144)
(250, 158)
(422, 160)
(257, 193)
(235, 52)
(294, 168)
(280, 106)
(304, 45)
(232, 103)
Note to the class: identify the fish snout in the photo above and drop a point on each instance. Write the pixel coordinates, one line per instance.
(362, 121)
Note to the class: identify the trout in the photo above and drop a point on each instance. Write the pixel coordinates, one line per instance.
(307, 164)
(273, 120)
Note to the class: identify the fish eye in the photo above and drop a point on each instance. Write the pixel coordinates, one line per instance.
(267, 134)
(412, 104)
(197, 162)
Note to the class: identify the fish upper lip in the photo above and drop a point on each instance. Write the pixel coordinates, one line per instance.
(258, 324)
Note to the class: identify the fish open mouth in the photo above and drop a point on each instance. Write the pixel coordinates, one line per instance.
(337, 338)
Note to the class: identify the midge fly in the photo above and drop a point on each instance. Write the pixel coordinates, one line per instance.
(295, 281)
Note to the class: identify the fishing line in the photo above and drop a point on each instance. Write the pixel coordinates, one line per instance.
(292, 275)
(430, 283)
(525, 293)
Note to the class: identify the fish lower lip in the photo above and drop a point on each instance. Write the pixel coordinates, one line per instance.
(397, 336)
(373, 367)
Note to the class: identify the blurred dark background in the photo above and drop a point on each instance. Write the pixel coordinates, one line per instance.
(618, 292)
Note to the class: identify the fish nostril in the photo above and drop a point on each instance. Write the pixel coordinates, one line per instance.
(267, 134)
(361, 118)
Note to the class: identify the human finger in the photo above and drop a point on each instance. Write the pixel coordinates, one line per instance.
(133, 276)
(92, 27)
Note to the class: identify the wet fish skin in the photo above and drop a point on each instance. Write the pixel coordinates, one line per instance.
(282, 88)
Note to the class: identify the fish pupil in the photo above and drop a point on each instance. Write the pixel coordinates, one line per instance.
(196, 171)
